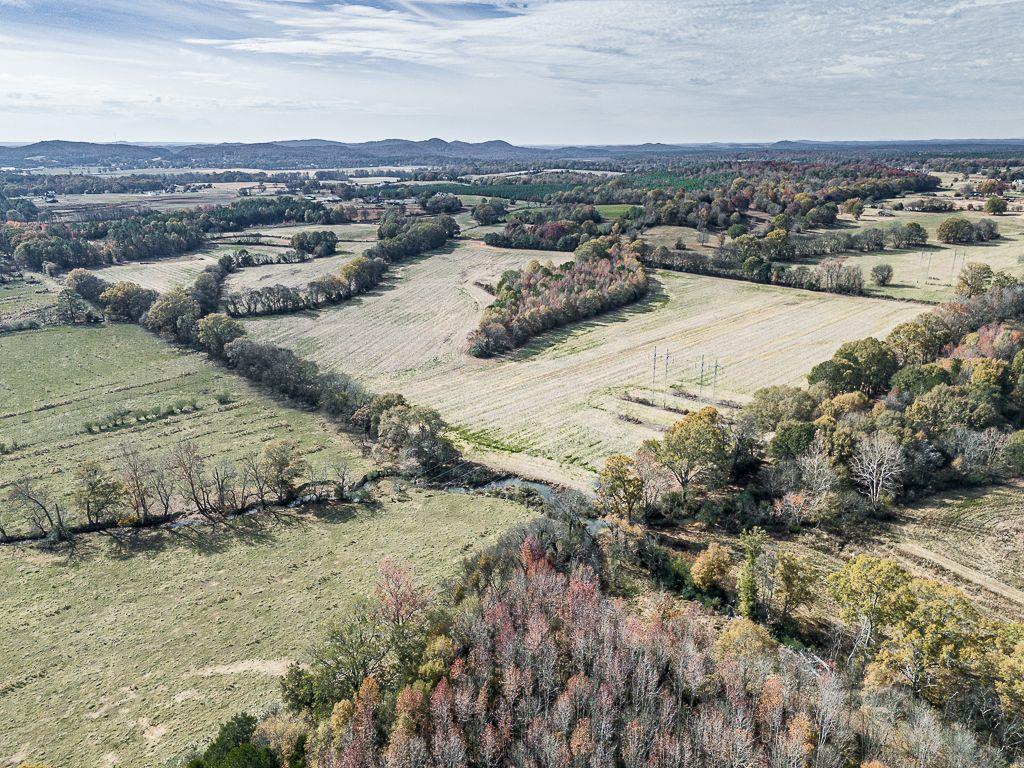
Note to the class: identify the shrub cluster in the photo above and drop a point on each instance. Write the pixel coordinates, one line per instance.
(553, 229)
(318, 243)
(126, 417)
(957, 229)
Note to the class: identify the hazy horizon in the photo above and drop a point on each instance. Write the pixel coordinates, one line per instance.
(198, 142)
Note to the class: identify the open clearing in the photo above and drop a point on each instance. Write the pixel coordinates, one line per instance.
(614, 210)
(205, 619)
(559, 401)
(668, 235)
(922, 274)
(220, 193)
(163, 274)
(55, 380)
(422, 311)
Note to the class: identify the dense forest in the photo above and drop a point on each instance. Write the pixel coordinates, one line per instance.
(60, 247)
(531, 657)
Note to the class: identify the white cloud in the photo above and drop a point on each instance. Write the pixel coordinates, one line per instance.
(540, 71)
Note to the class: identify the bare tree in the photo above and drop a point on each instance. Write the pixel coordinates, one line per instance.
(164, 486)
(977, 453)
(223, 495)
(655, 480)
(137, 477)
(341, 476)
(256, 474)
(923, 736)
(832, 730)
(817, 475)
(189, 465)
(97, 493)
(42, 513)
(316, 482)
(878, 465)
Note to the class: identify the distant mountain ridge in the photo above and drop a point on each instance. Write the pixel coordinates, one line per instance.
(324, 153)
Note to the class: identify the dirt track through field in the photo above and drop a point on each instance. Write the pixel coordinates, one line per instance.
(968, 574)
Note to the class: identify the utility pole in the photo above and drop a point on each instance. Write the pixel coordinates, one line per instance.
(714, 383)
(654, 370)
(664, 395)
(700, 381)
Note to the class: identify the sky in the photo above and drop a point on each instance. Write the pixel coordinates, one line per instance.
(536, 72)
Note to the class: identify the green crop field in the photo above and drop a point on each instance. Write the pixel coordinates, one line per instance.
(54, 381)
(613, 211)
(128, 650)
(21, 299)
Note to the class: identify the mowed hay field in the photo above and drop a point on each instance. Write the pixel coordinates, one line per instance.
(554, 409)
(416, 318)
(973, 537)
(162, 275)
(206, 618)
(345, 232)
(55, 380)
(20, 299)
(292, 275)
(928, 274)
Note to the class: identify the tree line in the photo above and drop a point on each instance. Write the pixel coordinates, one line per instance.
(141, 490)
(406, 439)
(766, 259)
(606, 273)
(23, 184)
